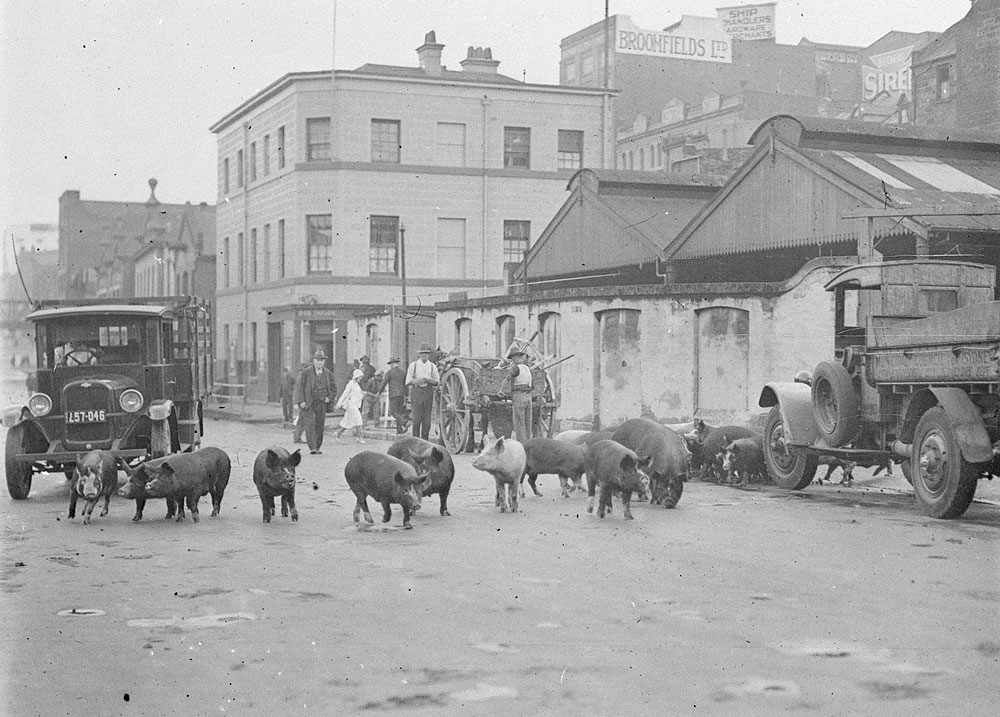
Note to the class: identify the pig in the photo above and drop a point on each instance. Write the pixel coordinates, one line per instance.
(744, 461)
(135, 488)
(668, 454)
(441, 467)
(95, 476)
(188, 476)
(387, 480)
(504, 459)
(549, 455)
(832, 463)
(274, 475)
(616, 469)
(709, 451)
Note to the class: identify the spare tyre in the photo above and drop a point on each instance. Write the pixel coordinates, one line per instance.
(836, 405)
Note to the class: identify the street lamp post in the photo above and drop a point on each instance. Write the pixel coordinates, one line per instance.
(402, 282)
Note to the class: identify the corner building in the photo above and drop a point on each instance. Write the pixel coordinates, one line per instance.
(327, 179)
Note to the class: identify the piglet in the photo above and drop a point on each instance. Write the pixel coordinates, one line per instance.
(504, 459)
(274, 475)
(94, 477)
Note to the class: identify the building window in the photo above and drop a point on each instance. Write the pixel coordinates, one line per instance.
(266, 273)
(319, 237)
(253, 348)
(317, 139)
(226, 280)
(516, 234)
(239, 168)
(240, 260)
(253, 256)
(517, 147)
(385, 140)
(266, 155)
(281, 248)
(383, 234)
(184, 284)
(570, 149)
(253, 161)
(451, 144)
(505, 334)
(225, 176)
(943, 85)
(281, 147)
(463, 336)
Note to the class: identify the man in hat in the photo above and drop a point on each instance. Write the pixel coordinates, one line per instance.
(422, 376)
(520, 377)
(286, 394)
(313, 391)
(395, 380)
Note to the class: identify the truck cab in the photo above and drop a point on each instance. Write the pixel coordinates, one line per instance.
(915, 379)
(129, 378)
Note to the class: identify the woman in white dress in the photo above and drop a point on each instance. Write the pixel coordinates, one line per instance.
(350, 400)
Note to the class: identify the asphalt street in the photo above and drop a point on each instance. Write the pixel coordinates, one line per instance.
(830, 600)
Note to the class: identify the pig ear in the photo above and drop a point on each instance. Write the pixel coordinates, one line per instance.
(437, 455)
(123, 464)
(399, 478)
(626, 462)
(295, 458)
(166, 468)
(644, 463)
(271, 460)
(499, 444)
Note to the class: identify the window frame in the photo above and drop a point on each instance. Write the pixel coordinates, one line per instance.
(265, 155)
(382, 253)
(322, 256)
(317, 151)
(565, 157)
(382, 146)
(512, 155)
(281, 147)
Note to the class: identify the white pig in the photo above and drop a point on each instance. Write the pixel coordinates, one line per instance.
(504, 459)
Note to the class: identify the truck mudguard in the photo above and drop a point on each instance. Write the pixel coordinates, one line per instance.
(973, 440)
(795, 402)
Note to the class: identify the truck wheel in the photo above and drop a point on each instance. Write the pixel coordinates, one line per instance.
(789, 469)
(942, 480)
(18, 474)
(836, 406)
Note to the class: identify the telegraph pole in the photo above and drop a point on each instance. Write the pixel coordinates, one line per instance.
(402, 282)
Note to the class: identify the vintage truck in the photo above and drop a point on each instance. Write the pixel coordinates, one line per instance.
(915, 381)
(129, 377)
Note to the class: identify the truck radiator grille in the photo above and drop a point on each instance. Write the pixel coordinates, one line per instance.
(79, 399)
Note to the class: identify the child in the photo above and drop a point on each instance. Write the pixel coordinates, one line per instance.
(350, 400)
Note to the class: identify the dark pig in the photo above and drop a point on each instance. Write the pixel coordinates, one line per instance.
(744, 461)
(504, 459)
(274, 475)
(135, 489)
(188, 476)
(616, 469)
(387, 480)
(711, 450)
(549, 455)
(95, 476)
(668, 465)
(440, 466)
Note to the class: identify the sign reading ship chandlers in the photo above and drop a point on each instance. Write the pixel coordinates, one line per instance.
(748, 22)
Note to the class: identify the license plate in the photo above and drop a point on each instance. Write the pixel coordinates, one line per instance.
(94, 415)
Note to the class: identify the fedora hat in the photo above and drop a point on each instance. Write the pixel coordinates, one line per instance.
(425, 348)
(392, 361)
(516, 352)
(319, 354)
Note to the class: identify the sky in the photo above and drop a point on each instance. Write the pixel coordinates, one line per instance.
(99, 95)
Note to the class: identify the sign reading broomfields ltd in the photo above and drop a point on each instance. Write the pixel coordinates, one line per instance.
(693, 38)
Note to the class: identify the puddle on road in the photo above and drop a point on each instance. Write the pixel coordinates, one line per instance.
(878, 658)
(144, 556)
(482, 692)
(496, 648)
(80, 612)
(757, 686)
(193, 623)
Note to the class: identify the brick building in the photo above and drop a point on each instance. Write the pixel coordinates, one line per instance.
(957, 77)
(324, 182)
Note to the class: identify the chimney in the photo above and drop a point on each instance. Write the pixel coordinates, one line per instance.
(480, 59)
(430, 55)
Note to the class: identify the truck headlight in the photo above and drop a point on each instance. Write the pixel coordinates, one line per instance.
(39, 404)
(130, 401)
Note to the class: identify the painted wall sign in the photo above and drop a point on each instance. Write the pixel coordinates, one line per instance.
(748, 22)
(693, 38)
(888, 72)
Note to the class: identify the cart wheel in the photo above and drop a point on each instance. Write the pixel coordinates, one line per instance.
(547, 411)
(454, 414)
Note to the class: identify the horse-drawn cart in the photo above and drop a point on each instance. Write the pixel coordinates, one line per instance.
(482, 386)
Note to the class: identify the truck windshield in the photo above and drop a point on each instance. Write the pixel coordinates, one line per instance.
(90, 341)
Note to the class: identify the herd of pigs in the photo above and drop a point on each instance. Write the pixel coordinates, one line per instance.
(641, 456)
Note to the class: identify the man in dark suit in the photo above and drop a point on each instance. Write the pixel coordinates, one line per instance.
(395, 379)
(313, 391)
